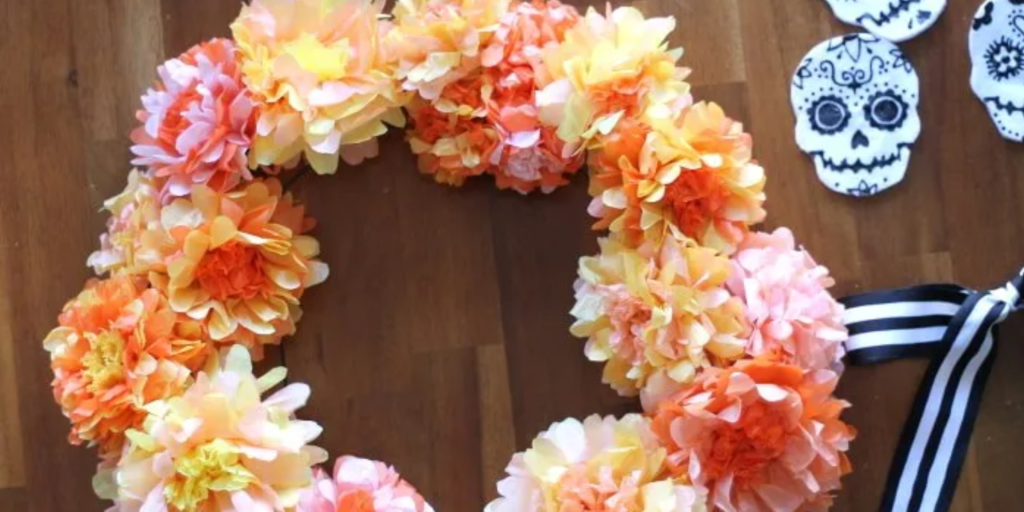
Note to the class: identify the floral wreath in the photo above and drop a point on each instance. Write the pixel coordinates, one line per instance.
(729, 337)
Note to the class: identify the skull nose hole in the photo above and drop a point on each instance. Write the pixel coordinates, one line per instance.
(860, 140)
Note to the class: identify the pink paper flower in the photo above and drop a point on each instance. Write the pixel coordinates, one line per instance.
(361, 485)
(198, 122)
(794, 317)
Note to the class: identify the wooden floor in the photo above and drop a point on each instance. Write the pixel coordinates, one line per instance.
(440, 341)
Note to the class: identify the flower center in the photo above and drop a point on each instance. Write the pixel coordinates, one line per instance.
(326, 62)
(630, 316)
(578, 492)
(750, 446)
(359, 500)
(104, 365)
(695, 196)
(232, 271)
(175, 121)
(213, 466)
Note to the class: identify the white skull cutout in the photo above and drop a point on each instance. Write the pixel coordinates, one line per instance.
(856, 98)
(895, 20)
(997, 64)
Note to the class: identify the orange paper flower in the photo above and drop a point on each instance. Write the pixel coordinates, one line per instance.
(759, 436)
(452, 136)
(119, 346)
(529, 154)
(239, 262)
(198, 122)
(689, 174)
(438, 42)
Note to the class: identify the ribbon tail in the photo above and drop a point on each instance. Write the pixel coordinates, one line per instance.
(956, 327)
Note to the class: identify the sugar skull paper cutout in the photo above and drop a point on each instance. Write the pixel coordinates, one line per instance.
(894, 20)
(997, 64)
(856, 98)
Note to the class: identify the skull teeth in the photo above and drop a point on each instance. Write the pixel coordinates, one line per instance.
(857, 166)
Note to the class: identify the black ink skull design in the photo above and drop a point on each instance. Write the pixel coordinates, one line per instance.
(894, 20)
(997, 64)
(855, 99)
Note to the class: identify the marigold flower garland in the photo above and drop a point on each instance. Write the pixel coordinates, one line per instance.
(729, 337)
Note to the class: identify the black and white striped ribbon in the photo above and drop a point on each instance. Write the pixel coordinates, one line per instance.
(953, 326)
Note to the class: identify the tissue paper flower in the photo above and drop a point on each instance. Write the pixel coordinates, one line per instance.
(240, 262)
(609, 68)
(438, 42)
(759, 436)
(529, 153)
(132, 212)
(361, 485)
(322, 80)
(452, 136)
(691, 173)
(795, 319)
(218, 446)
(118, 347)
(599, 465)
(656, 315)
(198, 123)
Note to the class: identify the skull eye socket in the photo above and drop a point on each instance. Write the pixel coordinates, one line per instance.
(829, 115)
(886, 111)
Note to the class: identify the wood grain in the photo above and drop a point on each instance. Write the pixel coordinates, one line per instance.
(440, 341)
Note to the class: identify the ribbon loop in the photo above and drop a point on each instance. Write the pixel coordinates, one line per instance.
(953, 326)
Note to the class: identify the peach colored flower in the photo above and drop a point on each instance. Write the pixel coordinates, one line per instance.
(529, 153)
(438, 42)
(132, 212)
(608, 68)
(119, 346)
(218, 447)
(322, 80)
(760, 436)
(451, 136)
(198, 123)
(794, 317)
(240, 261)
(598, 465)
(656, 315)
(361, 485)
(689, 173)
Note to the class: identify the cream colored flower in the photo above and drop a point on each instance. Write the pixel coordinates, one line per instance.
(218, 447)
(656, 315)
(322, 81)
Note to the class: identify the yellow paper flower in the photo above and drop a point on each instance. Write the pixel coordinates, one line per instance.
(689, 173)
(218, 446)
(320, 76)
(239, 261)
(656, 315)
(609, 67)
(134, 210)
(597, 465)
(438, 42)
